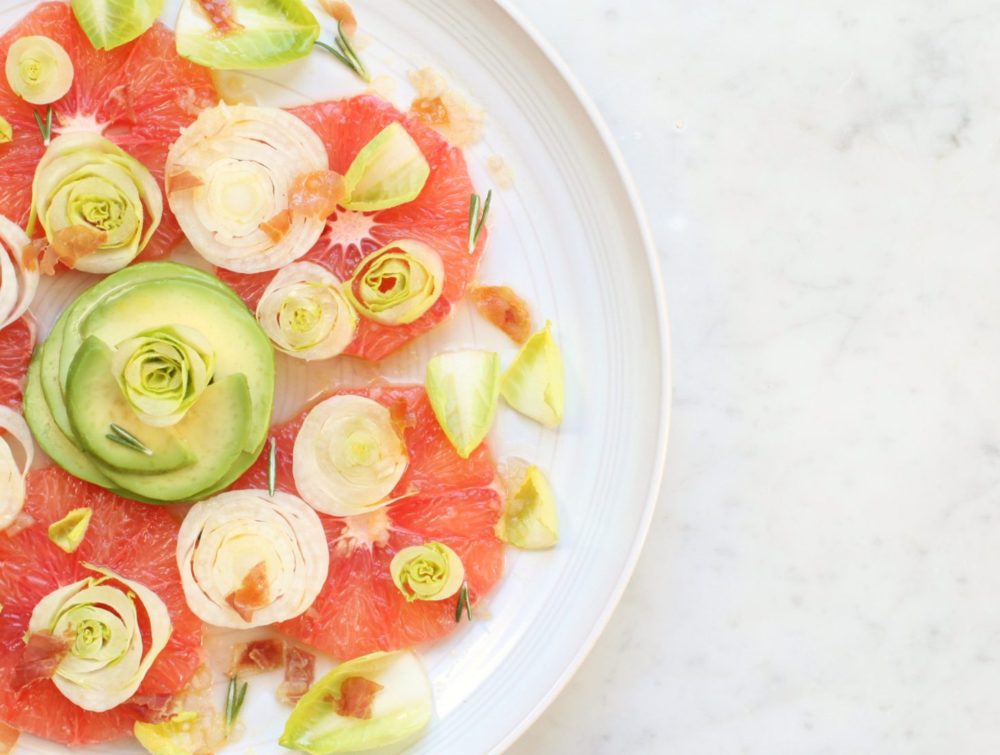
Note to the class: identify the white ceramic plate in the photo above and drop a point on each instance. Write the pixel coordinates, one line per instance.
(569, 235)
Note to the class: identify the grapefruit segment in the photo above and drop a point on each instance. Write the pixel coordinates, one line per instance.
(138, 95)
(439, 217)
(16, 342)
(442, 497)
(135, 541)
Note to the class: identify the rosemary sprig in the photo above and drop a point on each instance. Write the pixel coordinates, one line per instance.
(45, 126)
(123, 437)
(463, 604)
(343, 50)
(476, 219)
(235, 695)
(272, 468)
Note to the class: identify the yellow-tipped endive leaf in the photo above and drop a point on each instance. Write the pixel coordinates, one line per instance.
(389, 171)
(240, 164)
(348, 456)
(163, 372)
(224, 539)
(401, 707)
(534, 383)
(398, 283)
(431, 571)
(112, 23)
(107, 659)
(69, 531)
(86, 184)
(305, 313)
(39, 70)
(263, 34)
(175, 736)
(463, 387)
(14, 434)
(18, 281)
(530, 519)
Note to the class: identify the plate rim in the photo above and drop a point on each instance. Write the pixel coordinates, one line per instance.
(655, 486)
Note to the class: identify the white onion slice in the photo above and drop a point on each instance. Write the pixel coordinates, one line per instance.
(244, 160)
(348, 456)
(13, 473)
(17, 283)
(305, 313)
(223, 538)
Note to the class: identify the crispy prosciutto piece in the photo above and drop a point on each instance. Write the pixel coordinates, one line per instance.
(8, 738)
(300, 670)
(316, 194)
(252, 594)
(222, 15)
(76, 242)
(152, 708)
(39, 659)
(183, 180)
(356, 697)
(278, 227)
(505, 309)
(257, 656)
(342, 13)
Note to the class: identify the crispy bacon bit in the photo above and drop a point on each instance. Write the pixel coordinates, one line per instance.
(39, 253)
(278, 227)
(183, 180)
(40, 659)
(152, 708)
(256, 656)
(505, 309)
(316, 194)
(75, 242)
(431, 110)
(341, 12)
(222, 15)
(8, 738)
(252, 594)
(300, 670)
(356, 697)
(21, 522)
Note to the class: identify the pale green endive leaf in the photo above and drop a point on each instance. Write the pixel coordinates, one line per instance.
(463, 387)
(389, 171)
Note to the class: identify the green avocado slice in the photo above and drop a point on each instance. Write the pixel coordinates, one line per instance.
(95, 402)
(214, 431)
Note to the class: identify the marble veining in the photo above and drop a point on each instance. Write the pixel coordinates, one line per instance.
(823, 570)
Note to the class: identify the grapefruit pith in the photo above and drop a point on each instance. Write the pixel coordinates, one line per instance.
(138, 542)
(439, 217)
(16, 342)
(447, 499)
(139, 95)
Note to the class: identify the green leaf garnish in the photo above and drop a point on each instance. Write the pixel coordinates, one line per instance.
(477, 219)
(343, 50)
(120, 435)
(45, 126)
(235, 694)
(463, 604)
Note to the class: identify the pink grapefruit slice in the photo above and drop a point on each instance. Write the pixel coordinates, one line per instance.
(16, 342)
(439, 217)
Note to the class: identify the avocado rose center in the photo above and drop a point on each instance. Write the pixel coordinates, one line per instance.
(157, 383)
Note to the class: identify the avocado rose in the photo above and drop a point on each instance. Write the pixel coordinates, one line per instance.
(98, 205)
(157, 383)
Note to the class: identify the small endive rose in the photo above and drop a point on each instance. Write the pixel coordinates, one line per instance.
(431, 571)
(397, 284)
(39, 70)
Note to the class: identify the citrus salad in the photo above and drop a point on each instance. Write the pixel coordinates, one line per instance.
(148, 499)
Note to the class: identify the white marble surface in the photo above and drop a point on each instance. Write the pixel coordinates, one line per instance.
(823, 572)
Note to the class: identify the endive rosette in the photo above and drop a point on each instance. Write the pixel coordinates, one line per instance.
(39, 69)
(107, 658)
(98, 205)
(18, 283)
(163, 372)
(248, 559)
(431, 571)
(397, 284)
(232, 179)
(13, 469)
(348, 456)
(305, 313)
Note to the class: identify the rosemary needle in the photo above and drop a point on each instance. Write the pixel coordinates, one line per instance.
(235, 695)
(123, 437)
(343, 50)
(44, 126)
(477, 219)
(463, 604)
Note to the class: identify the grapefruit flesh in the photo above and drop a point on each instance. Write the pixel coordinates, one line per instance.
(139, 96)
(439, 217)
(16, 342)
(450, 500)
(138, 542)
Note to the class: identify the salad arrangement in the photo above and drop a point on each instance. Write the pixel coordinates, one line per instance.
(371, 523)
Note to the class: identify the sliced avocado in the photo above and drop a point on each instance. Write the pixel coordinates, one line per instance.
(50, 438)
(214, 431)
(240, 345)
(48, 354)
(95, 403)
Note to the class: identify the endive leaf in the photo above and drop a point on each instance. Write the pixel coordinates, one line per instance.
(112, 23)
